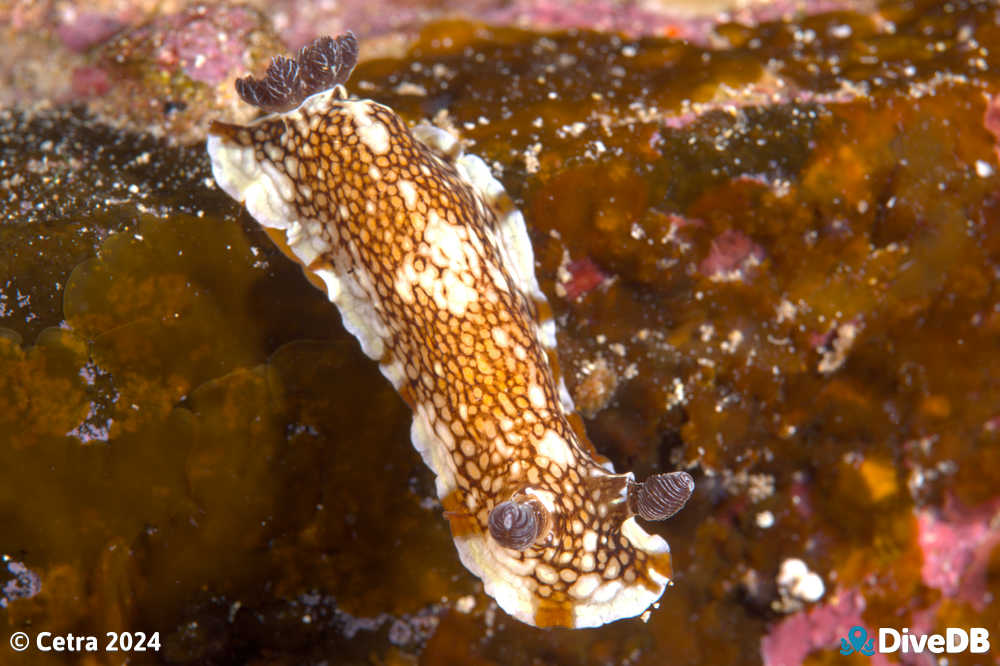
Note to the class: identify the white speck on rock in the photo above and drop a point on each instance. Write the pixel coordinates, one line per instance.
(797, 583)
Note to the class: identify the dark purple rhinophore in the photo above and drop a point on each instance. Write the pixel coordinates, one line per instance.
(661, 495)
(516, 524)
(318, 66)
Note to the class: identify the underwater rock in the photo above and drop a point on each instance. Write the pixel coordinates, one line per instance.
(850, 147)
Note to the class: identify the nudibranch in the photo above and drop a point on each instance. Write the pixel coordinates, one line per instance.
(432, 270)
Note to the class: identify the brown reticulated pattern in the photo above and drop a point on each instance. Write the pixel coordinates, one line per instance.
(474, 367)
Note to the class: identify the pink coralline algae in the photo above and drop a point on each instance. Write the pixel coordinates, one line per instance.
(583, 276)
(731, 257)
(89, 81)
(957, 545)
(81, 30)
(794, 638)
(991, 120)
(207, 46)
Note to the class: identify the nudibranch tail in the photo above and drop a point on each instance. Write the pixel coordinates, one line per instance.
(432, 269)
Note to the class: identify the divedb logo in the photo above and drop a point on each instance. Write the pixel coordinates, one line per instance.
(975, 640)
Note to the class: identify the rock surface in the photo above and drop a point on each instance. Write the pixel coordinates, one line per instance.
(777, 245)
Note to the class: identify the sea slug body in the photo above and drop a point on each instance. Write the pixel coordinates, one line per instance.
(432, 270)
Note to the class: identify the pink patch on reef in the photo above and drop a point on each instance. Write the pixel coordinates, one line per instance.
(680, 221)
(819, 339)
(89, 82)
(207, 44)
(792, 639)
(584, 277)
(956, 544)
(731, 257)
(81, 30)
(991, 120)
(799, 493)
